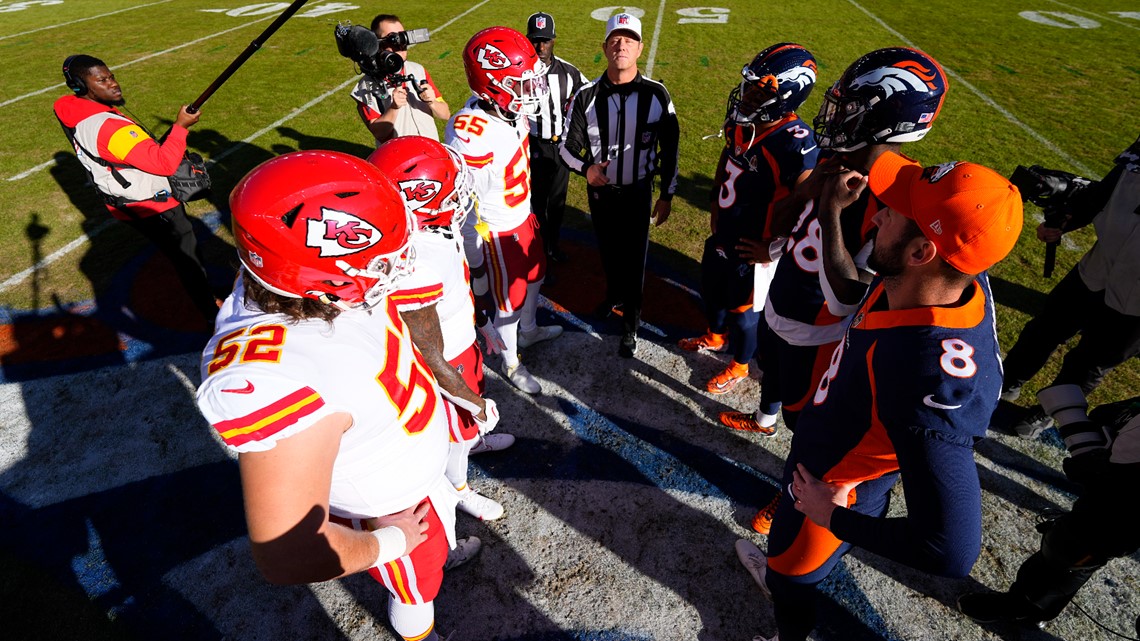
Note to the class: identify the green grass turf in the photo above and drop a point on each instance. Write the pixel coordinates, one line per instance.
(1065, 84)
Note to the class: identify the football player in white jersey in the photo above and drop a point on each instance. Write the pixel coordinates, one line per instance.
(491, 132)
(435, 300)
(313, 380)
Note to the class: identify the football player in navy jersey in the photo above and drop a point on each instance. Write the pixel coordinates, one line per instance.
(884, 99)
(768, 151)
(906, 393)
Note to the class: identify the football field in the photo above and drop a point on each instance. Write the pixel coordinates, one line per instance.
(121, 516)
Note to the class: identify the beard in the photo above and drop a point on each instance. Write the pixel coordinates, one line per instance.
(112, 103)
(888, 260)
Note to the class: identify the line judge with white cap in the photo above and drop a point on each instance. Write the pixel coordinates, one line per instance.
(622, 131)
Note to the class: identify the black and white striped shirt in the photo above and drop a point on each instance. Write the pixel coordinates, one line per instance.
(563, 79)
(633, 125)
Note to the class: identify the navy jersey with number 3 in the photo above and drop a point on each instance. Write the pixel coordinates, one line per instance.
(760, 168)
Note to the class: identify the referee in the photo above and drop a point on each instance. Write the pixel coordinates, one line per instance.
(548, 174)
(622, 130)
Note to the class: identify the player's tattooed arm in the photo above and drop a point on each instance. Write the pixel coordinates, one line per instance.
(428, 337)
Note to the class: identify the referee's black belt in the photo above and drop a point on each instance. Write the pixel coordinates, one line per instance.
(617, 189)
(551, 141)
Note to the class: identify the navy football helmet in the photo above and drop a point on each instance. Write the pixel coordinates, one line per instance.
(774, 84)
(888, 96)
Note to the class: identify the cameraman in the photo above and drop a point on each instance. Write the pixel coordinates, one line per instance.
(1099, 298)
(1080, 542)
(408, 109)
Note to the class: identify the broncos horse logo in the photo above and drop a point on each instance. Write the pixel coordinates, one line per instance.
(803, 76)
(905, 76)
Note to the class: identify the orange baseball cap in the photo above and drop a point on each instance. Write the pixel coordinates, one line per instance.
(971, 213)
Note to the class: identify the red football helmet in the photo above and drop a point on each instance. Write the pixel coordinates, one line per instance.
(322, 225)
(503, 69)
(433, 180)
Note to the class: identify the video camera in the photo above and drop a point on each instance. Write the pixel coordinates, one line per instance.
(363, 47)
(1051, 190)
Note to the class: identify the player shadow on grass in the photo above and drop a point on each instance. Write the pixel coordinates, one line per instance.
(136, 291)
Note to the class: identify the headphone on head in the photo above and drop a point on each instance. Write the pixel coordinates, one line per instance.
(74, 83)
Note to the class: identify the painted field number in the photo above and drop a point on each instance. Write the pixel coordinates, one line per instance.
(263, 8)
(703, 15)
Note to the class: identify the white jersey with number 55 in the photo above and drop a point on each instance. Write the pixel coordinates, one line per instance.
(498, 153)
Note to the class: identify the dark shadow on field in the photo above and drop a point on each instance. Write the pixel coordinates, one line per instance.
(1016, 493)
(307, 142)
(139, 514)
(136, 291)
(228, 160)
(1015, 296)
(694, 189)
(615, 480)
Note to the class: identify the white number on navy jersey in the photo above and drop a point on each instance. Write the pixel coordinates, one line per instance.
(956, 359)
(828, 376)
(728, 189)
(807, 249)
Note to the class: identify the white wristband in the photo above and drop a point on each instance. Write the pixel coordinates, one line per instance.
(392, 542)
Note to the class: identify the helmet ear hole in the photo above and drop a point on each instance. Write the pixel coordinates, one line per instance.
(290, 216)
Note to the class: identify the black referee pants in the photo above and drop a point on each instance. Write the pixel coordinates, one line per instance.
(549, 177)
(620, 215)
(1108, 338)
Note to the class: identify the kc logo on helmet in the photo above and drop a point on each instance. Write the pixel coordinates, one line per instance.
(420, 191)
(491, 57)
(339, 233)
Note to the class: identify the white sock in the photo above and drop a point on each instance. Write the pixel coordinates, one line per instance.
(528, 323)
(508, 326)
(410, 621)
(456, 470)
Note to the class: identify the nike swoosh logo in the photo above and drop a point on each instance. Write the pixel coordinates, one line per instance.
(248, 389)
(804, 152)
(929, 401)
(466, 140)
(721, 385)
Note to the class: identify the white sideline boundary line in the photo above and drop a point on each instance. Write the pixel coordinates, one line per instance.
(20, 277)
(1116, 21)
(1078, 165)
(656, 37)
(146, 57)
(64, 24)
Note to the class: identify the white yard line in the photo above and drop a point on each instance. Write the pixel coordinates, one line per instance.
(1093, 13)
(653, 46)
(1078, 165)
(146, 57)
(20, 277)
(101, 15)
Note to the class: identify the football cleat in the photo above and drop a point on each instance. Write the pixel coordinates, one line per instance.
(746, 422)
(479, 506)
(492, 443)
(708, 342)
(998, 606)
(1033, 424)
(722, 383)
(539, 334)
(465, 549)
(521, 378)
(755, 562)
(762, 522)
(628, 346)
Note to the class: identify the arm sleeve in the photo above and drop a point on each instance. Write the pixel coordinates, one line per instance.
(942, 531)
(574, 150)
(125, 142)
(669, 143)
